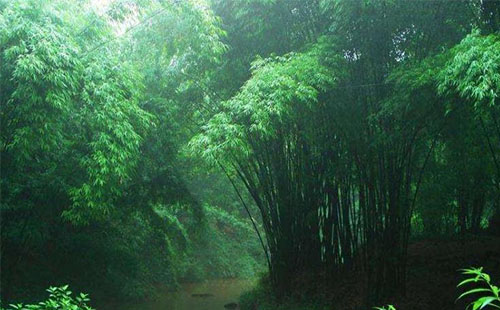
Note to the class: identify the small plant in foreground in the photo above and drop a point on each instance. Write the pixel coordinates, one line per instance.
(491, 297)
(389, 307)
(59, 299)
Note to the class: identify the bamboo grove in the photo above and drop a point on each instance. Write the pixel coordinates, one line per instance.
(154, 136)
(333, 142)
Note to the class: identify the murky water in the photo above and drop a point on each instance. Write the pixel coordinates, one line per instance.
(209, 295)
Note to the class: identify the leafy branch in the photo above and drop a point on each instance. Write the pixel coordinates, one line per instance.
(491, 297)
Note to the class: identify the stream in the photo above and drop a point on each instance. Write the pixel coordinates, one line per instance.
(208, 295)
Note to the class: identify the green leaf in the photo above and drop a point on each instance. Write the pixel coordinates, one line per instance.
(473, 291)
(467, 281)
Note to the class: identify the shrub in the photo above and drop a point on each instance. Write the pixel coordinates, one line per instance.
(59, 299)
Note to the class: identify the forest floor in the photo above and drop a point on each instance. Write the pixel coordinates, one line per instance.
(433, 270)
(433, 274)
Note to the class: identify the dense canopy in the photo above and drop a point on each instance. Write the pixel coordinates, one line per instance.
(149, 143)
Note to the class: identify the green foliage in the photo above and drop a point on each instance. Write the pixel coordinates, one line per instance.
(308, 129)
(389, 307)
(279, 85)
(89, 133)
(482, 285)
(59, 298)
(66, 115)
(348, 126)
(474, 70)
(228, 247)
